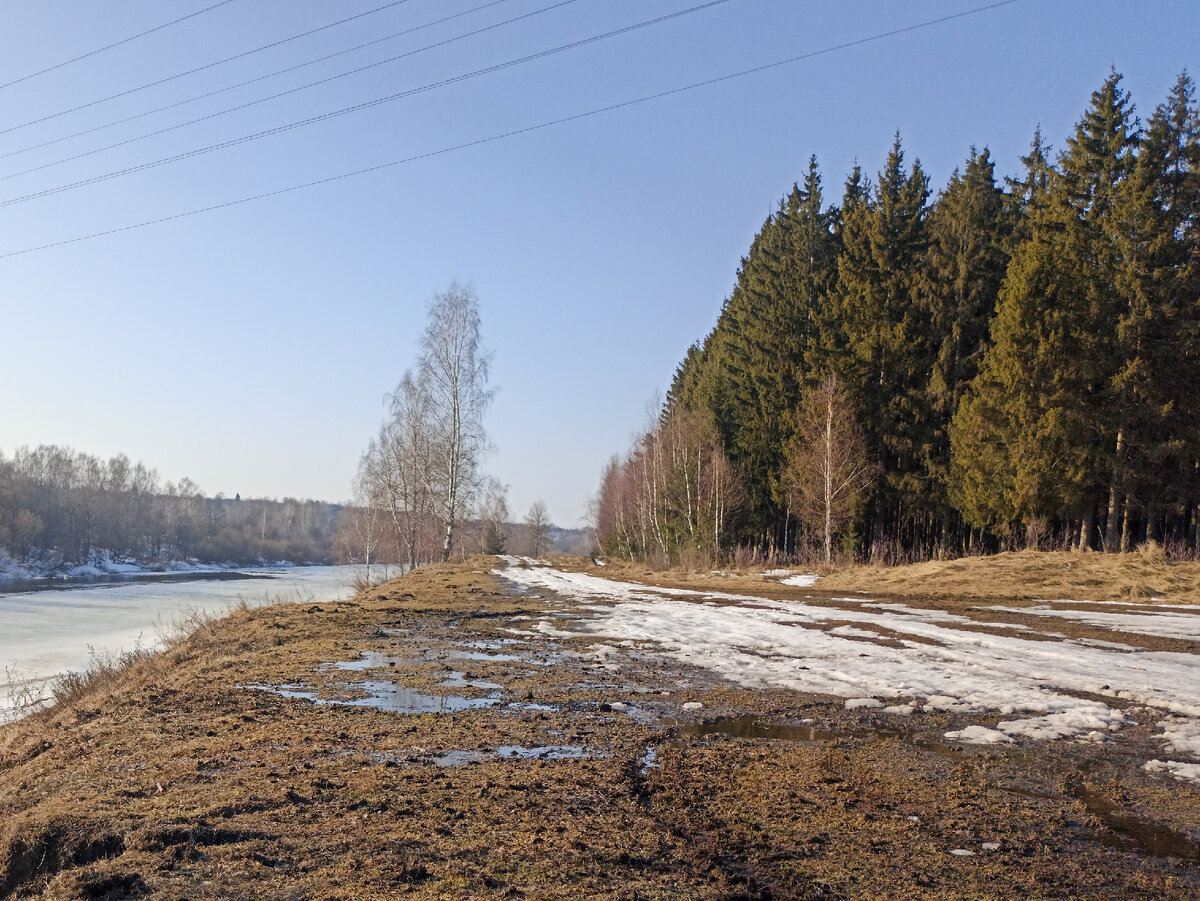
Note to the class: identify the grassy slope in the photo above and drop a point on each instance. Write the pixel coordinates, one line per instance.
(1022, 575)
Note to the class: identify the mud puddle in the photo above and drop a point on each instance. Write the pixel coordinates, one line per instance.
(755, 727)
(1127, 832)
(387, 696)
(367, 660)
(517, 752)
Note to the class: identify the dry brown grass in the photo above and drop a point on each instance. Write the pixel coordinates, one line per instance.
(170, 776)
(1034, 575)
(1140, 575)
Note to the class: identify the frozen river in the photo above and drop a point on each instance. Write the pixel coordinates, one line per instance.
(46, 632)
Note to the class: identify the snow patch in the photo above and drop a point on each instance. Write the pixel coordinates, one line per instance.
(979, 735)
(805, 581)
(1173, 624)
(856, 703)
(1182, 735)
(1189, 771)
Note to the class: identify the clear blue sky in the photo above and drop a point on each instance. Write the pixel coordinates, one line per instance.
(251, 348)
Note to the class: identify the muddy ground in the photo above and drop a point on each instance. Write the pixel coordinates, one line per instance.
(450, 756)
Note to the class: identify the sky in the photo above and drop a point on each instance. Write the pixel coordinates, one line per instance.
(251, 348)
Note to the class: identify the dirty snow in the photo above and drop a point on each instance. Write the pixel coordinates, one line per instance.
(1160, 624)
(804, 581)
(1179, 770)
(979, 735)
(1182, 735)
(1032, 684)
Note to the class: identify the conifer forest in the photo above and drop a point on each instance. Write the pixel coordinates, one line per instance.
(898, 376)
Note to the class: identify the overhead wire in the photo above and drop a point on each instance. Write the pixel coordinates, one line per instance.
(250, 81)
(303, 87)
(205, 67)
(133, 37)
(647, 98)
(358, 107)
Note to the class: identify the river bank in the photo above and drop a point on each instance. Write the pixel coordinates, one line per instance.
(486, 731)
(53, 627)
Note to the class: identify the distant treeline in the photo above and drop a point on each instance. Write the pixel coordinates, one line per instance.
(1009, 365)
(61, 507)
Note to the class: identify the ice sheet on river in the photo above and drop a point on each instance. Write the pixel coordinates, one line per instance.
(45, 633)
(1034, 683)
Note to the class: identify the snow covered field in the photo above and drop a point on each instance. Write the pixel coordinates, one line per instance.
(43, 633)
(902, 658)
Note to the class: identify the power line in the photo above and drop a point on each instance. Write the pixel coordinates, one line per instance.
(242, 84)
(513, 133)
(214, 64)
(358, 107)
(134, 37)
(302, 87)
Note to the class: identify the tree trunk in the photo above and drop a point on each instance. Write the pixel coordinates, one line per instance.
(1125, 536)
(1110, 530)
(829, 480)
(1087, 529)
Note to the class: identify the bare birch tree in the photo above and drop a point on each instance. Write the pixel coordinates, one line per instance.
(366, 519)
(828, 470)
(537, 525)
(404, 476)
(454, 365)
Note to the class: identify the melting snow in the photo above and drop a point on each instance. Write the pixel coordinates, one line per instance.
(1175, 768)
(979, 735)
(1159, 624)
(804, 581)
(937, 665)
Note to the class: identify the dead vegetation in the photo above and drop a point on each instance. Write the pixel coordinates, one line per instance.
(1035, 575)
(174, 776)
(1140, 575)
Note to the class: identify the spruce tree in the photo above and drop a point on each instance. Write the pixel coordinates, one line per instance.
(969, 230)
(1153, 392)
(1046, 385)
(766, 333)
(888, 341)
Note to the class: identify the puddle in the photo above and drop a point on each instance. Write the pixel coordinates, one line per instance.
(493, 658)
(458, 679)
(493, 644)
(367, 660)
(754, 727)
(516, 752)
(648, 761)
(388, 696)
(1128, 831)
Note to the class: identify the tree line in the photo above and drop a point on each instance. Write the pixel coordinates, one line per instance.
(60, 508)
(1011, 364)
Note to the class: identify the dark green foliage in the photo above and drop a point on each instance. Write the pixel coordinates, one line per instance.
(756, 358)
(1024, 362)
(493, 539)
(968, 232)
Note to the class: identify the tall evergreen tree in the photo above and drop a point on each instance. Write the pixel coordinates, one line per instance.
(1055, 350)
(969, 231)
(1158, 249)
(888, 340)
(766, 333)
